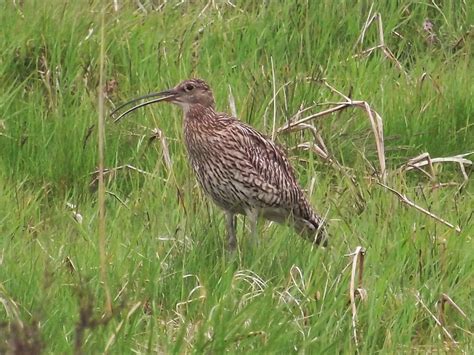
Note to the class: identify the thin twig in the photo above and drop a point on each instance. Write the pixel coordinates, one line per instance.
(405, 200)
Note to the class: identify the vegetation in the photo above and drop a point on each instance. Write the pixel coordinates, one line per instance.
(174, 286)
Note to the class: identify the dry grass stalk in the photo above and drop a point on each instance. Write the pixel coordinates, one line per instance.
(410, 203)
(111, 172)
(158, 134)
(274, 99)
(69, 264)
(368, 21)
(216, 6)
(297, 280)
(101, 192)
(190, 298)
(122, 202)
(47, 79)
(272, 102)
(425, 160)
(317, 146)
(442, 307)
(11, 308)
(377, 18)
(295, 295)
(292, 124)
(375, 119)
(415, 163)
(255, 282)
(445, 331)
(434, 82)
(233, 108)
(357, 260)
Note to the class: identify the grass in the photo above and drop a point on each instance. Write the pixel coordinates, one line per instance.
(174, 287)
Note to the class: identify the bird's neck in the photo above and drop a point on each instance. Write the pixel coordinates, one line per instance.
(199, 114)
(200, 124)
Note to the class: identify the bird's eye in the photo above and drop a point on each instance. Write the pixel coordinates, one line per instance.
(189, 87)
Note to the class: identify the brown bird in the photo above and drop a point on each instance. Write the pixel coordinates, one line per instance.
(242, 171)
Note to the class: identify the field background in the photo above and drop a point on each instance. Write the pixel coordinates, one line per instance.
(174, 286)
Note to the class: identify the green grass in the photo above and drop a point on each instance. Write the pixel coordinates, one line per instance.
(175, 288)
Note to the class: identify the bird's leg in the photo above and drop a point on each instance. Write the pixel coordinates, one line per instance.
(230, 226)
(252, 215)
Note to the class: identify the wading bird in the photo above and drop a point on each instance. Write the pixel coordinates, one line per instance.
(241, 170)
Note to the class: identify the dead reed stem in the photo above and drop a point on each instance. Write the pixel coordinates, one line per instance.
(424, 159)
(101, 192)
(410, 203)
(375, 120)
(357, 260)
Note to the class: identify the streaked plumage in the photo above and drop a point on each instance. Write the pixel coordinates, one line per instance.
(241, 170)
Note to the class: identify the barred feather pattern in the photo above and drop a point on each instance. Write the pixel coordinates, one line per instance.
(241, 169)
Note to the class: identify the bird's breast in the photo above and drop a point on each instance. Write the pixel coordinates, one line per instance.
(217, 168)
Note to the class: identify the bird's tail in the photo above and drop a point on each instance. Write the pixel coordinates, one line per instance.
(313, 229)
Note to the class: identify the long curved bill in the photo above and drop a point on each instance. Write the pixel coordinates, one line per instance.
(160, 96)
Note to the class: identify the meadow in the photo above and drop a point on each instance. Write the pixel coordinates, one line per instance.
(394, 279)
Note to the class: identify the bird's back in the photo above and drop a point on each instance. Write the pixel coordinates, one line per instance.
(241, 169)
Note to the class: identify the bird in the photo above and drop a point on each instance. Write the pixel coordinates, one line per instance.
(239, 168)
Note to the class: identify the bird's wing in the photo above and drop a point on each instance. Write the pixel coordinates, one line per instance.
(266, 166)
(267, 158)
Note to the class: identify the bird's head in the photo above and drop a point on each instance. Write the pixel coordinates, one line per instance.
(186, 94)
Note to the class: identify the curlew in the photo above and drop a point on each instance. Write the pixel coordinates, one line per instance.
(239, 168)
